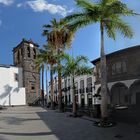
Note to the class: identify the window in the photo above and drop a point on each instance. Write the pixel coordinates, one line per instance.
(89, 100)
(15, 58)
(82, 86)
(34, 53)
(16, 77)
(28, 51)
(32, 86)
(76, 98)
(68, 82)
(124, 69)
(89, 84)
(18, 56)
(22, 51)
(119, 68)
(65, 83)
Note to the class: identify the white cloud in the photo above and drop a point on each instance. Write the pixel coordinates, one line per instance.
(43, 5)
(19, 5)
(6, 2)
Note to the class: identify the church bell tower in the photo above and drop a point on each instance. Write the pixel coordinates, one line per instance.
(24, 55)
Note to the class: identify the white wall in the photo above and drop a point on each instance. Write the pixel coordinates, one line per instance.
(77, 79)
(11, 91)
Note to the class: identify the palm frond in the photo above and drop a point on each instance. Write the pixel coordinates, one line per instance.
(84, 70)
(74, 26)
(81, 59)
(86, 4)
(121, 26)
(66, 58)
(73, 65)
(110, 30)
(47, 26)
(119, 8)
(74, 16)
(124, 28)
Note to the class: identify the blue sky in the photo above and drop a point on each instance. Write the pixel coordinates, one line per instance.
(25, 18)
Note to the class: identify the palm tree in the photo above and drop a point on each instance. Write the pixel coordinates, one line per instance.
(73, 67)
(108, 14)
(46, 56)
(59, 37)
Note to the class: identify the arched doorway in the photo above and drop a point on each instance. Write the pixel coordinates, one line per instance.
(119, 94)
(134, 91)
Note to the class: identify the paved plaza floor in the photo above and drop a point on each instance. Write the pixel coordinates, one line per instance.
(35, 123)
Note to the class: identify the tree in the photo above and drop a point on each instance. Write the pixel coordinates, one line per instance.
(108, 14)
(73, 67)
(59, 36)
(47, 56)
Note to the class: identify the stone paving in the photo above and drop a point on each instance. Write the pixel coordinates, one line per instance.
(35, 123)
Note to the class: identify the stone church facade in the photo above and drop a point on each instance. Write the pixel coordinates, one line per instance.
(24, 55)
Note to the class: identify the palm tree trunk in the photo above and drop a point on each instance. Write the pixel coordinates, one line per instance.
(104, 101)
(52, 91)
(74, 99)
(59, 86)
(46, 81)
(59, 89)
(43, 85)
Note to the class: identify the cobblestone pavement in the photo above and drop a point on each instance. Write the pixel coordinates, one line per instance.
(35, 123)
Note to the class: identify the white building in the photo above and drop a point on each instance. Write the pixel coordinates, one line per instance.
(20, 82)
(12, 91)
(85, 90)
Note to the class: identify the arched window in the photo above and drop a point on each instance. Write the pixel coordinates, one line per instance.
(34, 53)
(82, 86)
(18, 56)
(22, 51)
(89, 84)
(28, 51)
(119, 94)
